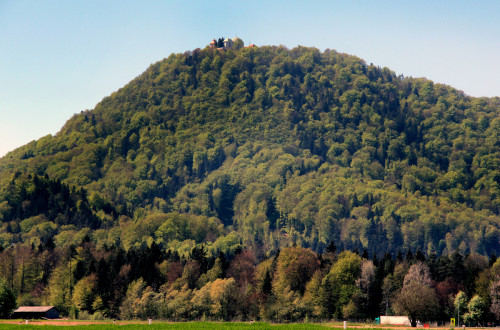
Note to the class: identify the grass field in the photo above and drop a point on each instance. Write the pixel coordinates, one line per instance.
(162, 325)
(129, 325)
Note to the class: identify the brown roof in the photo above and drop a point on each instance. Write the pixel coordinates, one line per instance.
(31, 309)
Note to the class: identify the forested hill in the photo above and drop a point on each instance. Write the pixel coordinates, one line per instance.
(265, 147)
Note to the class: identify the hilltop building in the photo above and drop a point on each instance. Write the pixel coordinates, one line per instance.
(228, 43)
(224, 44)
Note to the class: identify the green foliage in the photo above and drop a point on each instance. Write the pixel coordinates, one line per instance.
(84, 294)
(60, 288)
(283, 146)
(130, 309)
(295, 284)
(495, 298)
(476, 309)
(280, 152)
(460, 302)
(7, 300)
(295, 266)
(339, 285)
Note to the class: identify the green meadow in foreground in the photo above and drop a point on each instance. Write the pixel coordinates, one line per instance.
(187, 325)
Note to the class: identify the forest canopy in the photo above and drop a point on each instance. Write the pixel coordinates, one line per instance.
(260, 148)
(277, 147)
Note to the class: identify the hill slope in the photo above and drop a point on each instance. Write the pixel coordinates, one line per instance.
(269, 147)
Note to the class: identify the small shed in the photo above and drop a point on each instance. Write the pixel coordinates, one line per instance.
(36, 312)
(395, 320)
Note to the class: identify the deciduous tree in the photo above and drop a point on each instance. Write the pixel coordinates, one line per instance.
(295, 267)
(418, 301)
(476, 310)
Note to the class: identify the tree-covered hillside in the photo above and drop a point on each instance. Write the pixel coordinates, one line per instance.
(265, 148)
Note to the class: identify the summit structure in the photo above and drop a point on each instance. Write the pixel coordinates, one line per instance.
(227, 43)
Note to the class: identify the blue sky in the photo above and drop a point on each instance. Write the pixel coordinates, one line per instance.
(59, 57)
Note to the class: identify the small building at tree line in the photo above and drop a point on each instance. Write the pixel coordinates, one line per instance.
(36, 312)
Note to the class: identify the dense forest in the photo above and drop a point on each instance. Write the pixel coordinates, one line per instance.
(216, 155)
(294, 284)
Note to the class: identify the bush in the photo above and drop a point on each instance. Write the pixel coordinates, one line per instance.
(7, 300)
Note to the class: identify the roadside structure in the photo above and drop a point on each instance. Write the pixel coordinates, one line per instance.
(36, 312)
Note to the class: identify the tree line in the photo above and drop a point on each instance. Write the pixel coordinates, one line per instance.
(292, 285)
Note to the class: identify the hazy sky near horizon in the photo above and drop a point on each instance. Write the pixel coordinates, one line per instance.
(59, 57)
